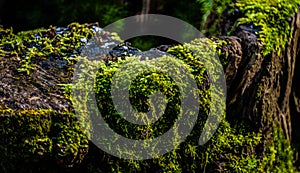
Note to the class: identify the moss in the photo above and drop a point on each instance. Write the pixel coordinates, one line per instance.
(30, 135)
(44, 43)
(140, 89)
(220, 45)
(234, 148)
(278, 155)
(35, 135)
(272, 16)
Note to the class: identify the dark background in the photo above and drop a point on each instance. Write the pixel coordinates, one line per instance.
(24, 15)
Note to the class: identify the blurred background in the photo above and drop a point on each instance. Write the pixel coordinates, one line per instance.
(30, 14)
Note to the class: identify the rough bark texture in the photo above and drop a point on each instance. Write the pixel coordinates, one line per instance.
(39, 91)
(262, 89)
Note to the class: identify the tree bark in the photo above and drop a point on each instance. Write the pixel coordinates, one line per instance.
(263, 90)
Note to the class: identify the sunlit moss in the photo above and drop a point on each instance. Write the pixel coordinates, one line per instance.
(273, 17)
(234, 148)
(44, 43)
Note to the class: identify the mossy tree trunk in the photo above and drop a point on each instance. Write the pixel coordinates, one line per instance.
(264, 90)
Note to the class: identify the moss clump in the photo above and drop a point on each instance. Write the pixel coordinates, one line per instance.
(233, 148)
(54, 40)
(34, 136)
(146, 83)
(188, 156)
(272, 16)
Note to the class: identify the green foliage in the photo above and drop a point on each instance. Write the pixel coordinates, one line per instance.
(144, 44)
(26, 64)
(212, 6)
(189, 11)
(140, 89)
(222, 56)
(67, 90)
(10, 40)
(104, 12)
(272, 17)
(232, 149)
(111, 13)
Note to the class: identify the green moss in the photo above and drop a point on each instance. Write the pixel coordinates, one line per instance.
(41, 135)
(272, 16)
(50, 135)
(144, 85)
(29, 135)
(43, 43)
(232, 148)
(278, 155)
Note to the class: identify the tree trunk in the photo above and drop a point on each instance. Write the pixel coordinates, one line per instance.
(264, 89)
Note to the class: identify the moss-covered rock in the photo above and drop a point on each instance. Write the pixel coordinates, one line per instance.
(38, 124)
(234, 148)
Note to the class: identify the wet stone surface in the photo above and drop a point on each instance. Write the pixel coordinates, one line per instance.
(123, 50)
(47, 57)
